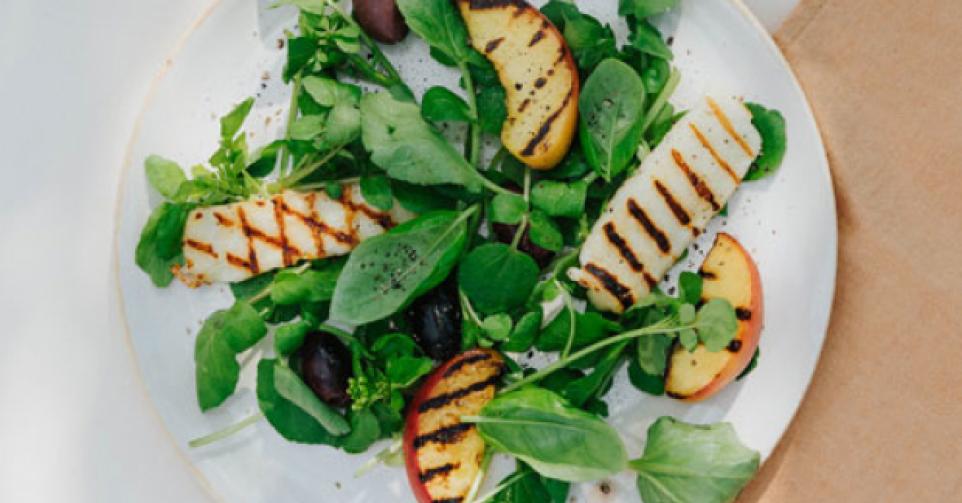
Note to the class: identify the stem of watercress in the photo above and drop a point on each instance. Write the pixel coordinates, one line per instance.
(474, 129)
(520, 232)
(572, 318)
(291, 118)
(303, 173)
(226, 432)
(673, 79)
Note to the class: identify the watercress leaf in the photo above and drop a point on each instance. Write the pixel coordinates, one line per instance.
(492, 110)
(557, 11)
(686, 314)
(343, 125)
(611, 110)
(159, 247)
(652, 353)
(287, 338)
(647, 39)
(589, 40)
(751, 365)
(289, 287)
(489, 269)
(393, 345)
(385, 272)
(557, 440)
(322, 279)
(771, 126)
(330, 93)
(299, 53)
(523, 335)
(231, 123)
(689, 286)
(405, 146)
(290, 386)
(290, 421)
(164, 175)
(717, 324)
(686, 462)
(365, 430)
(526, 486)
(590, 327)
(440, 104)
(593, 384)
(308, 127)
(649, 383)
(544, 232)
(644, 8)
(265, 159)
(242, 327)
(688, 339)
(216, 368)
(420, 199)
(376, 190)
(507, 209)
(437, 22)
(560, 199)
(404, 371)
(497, 327)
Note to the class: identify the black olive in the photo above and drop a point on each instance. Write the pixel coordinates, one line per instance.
(435, 319)
(505, 233)
(381, 19)
(325, 365)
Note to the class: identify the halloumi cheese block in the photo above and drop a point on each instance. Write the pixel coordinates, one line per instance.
(233, 242)
(659, 210)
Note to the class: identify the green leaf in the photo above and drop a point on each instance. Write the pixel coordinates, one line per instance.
(590, 327)
(497, 327)
(405, 146)
(689, 286)
(437, 22)
(343, 126)
(647, 39)
(231, 123)
(164, 175)
(393, 345)
(554, 438)
(404, 371)
(308, 127)
(507, 209)
(589, 40)
(159, 246)
(559, 199)
(717, 324)
(376, 190)
(524, 333)
(289, 287)
(224, 334)
(440, 104)
(288, 338)
(597, 382)
(263, 162)
(299, 53)
(771, 126)
(488, 269)
(385, 272)
(685, 462)
(330, 93)
(688, 339)
(544, 232)
(644, 8)
(611, 109)
(365, 430)
(652, 354)
(751, 365)
(649, 383)
(242, 327)
(290, 421)
(290, 386)
(526, 486)
(492, 110)
(686, 314)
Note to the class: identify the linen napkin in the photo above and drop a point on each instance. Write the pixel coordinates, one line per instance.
(882, 421)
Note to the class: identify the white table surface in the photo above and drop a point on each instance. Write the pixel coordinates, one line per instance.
(75, 423)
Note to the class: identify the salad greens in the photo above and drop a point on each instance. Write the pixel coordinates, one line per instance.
(499, 234)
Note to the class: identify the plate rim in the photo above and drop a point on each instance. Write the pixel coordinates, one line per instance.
(744, 11)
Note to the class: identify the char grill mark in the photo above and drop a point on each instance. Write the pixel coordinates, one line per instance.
(458, 365)
(221, 219)
(439, 471)
(676, 209)
(249, 233)
(441, 400)
(743, 314)
(626, 252)
(546, 127)
(711, 150)
(696, 182)
(524, 104)
(611, 284)
(653, 231)
(538, 37)
(492, 45)
(727, 125)
(495, 4)
(444, 436)
(201, 247)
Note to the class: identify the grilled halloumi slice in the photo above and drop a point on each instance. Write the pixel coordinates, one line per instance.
(233, 242)
(659, 210)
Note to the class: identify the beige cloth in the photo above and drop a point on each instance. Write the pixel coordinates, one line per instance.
(882, 421)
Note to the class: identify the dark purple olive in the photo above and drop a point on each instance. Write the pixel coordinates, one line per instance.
(381, 19)
(435, 319)
(505, 233)
(325, 365)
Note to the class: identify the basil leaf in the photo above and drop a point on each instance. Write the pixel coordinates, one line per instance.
(376, 191)
(224, 334)
(290, 386)
(560, 199)
(507, 209)
(555, 439)
(489, 269)
(611, 109)
(543, 232)
(159, 246)
(407, 148)
(440, 104)
(385, 272)
(686, 462)
(717, 324)
(771, 126)
(439, 25)
(164, 175)
(288, 419)
(644, 8)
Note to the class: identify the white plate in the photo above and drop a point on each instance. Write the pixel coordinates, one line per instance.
(787, 223)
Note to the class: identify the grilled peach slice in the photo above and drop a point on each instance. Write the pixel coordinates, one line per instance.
(443, 455)
(728, 273)
(537, 71)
